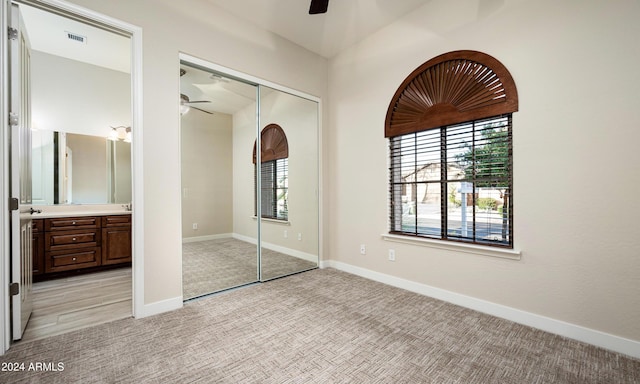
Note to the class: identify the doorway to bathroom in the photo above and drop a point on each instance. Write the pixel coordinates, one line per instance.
(77, 99)
(250, 179)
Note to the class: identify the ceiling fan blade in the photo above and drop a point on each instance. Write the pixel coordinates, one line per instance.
(318, 6)
(202, 110)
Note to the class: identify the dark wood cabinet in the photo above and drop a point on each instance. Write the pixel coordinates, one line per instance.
(72, 223)
(71, 243)
(116, 239)
(77, 244)
(58, 261)
(37, 246)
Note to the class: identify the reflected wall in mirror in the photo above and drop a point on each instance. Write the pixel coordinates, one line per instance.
(290, 245)
(70, 168)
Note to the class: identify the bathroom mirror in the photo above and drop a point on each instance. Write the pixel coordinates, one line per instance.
(70, 168)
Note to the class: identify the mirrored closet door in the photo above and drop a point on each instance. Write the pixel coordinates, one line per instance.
(248, 215)
(218, 120)
(288, 183)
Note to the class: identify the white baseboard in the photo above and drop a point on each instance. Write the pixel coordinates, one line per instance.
(160, 307)
(278, 248)
(558, 327)
(196, 239)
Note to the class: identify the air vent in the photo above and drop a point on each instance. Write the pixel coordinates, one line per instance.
(76, 37)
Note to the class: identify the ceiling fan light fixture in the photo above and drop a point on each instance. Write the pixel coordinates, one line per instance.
(121, 133)
(184, 108)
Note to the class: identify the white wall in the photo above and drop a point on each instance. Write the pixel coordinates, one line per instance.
(244, 135)
(121, 187)
(202, 30)
(89, 169)
(60, 102)
(207, 165)
(75, 97)
(575, 66)
(42, 160)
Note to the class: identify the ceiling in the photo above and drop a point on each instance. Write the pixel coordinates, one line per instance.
(48, 33)
(223, 95)
(346, 22)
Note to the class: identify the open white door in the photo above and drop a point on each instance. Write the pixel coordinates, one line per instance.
(20, 119)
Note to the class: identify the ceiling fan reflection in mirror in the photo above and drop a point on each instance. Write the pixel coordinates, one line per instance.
(185, 102)
(318, 6)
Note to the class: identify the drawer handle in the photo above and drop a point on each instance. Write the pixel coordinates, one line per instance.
(74, 259)
(73, 222)
(74, 239)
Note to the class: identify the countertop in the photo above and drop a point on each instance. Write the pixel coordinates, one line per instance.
(51, 211)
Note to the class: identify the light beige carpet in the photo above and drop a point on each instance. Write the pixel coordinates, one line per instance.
(213, 265)
(321, 326)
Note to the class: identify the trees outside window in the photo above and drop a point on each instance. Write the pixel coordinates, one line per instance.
(454, 183)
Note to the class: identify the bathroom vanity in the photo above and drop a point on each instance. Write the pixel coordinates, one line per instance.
(65, 244)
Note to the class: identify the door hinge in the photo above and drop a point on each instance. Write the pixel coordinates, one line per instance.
(13, 204)
(13, 33)
(14, 289)
(13, 118)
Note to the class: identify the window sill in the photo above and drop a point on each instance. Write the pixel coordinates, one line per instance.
(454, 246)
(275, 221)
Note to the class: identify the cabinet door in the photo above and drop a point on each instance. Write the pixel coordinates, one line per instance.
(37, 246)
(116, 245)
(38, 253)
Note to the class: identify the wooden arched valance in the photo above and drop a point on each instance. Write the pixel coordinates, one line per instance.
(451, 88)
(273, 143)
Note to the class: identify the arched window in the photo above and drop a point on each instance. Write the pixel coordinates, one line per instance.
(274, 170)
(449, 128)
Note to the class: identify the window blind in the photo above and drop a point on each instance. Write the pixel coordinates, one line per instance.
(454, 182)
(274, 189)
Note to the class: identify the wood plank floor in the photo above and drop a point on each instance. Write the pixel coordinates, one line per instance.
(67, 304)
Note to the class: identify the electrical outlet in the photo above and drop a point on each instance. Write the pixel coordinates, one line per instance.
(286, 234)
(363, 249)
(299, 236)
(195, 225)
(392, 255)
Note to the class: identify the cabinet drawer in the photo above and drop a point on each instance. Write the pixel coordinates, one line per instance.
(68, 223)
(75, 259)
(71, 239)
(116, 221)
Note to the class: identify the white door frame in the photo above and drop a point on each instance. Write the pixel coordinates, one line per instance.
(137, 164)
